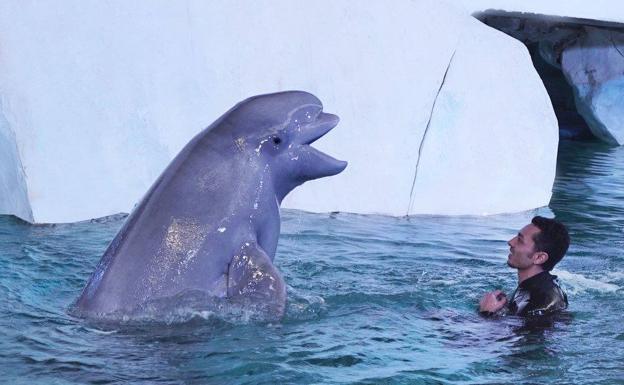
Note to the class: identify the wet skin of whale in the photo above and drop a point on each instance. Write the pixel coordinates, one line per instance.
(211, 222)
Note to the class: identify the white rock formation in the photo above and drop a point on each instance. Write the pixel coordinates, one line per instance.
(490, 146)
(492, 143)
(13, 195)
(594, 65)
(103, 96)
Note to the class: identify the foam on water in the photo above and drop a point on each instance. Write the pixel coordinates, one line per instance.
(578, 283)
(194, 306)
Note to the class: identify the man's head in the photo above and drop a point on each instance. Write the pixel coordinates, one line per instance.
(542, 243)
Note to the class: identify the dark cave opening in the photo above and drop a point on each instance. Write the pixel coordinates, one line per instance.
(571, 124)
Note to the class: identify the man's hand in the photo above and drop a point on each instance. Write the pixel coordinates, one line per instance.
(492, 301)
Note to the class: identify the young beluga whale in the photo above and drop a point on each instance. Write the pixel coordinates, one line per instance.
(210, 223)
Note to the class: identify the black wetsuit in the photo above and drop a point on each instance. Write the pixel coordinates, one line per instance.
(538, 295)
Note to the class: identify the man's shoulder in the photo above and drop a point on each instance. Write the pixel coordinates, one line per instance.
(547, 284)
(546, 296)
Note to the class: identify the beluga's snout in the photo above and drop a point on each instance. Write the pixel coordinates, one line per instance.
(311, 132)
(306, 162)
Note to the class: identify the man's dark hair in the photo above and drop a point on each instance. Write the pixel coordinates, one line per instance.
(552, 239)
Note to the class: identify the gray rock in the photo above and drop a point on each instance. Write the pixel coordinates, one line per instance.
(594, 66)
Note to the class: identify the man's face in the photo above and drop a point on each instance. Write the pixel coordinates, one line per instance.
(522, 248)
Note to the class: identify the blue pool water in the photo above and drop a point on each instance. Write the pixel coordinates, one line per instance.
(372, 300)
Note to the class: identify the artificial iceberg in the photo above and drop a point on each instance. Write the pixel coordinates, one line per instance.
(435, 120)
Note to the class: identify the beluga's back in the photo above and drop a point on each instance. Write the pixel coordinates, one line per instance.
(210, 223)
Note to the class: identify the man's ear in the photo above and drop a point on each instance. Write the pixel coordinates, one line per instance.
(540, 257)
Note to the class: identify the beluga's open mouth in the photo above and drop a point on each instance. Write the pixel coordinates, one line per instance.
(314, 163)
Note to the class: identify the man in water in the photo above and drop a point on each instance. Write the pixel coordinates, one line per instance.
(537, 248)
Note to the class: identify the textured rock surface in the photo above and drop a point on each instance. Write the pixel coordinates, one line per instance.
(594, 66)
(587, 93)
(611, 10)
(105, 95)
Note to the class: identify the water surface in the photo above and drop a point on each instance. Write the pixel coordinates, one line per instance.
(372, 300)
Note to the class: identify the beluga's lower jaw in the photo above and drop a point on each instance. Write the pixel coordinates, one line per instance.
(210, 223)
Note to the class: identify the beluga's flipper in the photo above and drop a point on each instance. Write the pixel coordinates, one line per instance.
(252, 278)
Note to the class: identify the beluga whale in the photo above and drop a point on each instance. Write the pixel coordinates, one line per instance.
(210, 223)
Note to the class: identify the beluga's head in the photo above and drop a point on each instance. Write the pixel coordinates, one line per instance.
(276, 130)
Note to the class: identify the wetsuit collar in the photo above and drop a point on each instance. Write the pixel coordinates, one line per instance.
(536, 280)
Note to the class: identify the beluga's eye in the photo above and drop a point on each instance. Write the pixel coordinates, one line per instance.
(277, 140)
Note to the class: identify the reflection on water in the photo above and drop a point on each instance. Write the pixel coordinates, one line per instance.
(371, 300)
